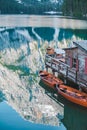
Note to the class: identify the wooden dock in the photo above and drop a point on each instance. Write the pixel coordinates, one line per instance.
(57, 65)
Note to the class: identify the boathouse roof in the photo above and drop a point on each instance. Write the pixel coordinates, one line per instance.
(81, 45)
(70, 48)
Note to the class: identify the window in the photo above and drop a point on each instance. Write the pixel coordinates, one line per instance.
(74, 62)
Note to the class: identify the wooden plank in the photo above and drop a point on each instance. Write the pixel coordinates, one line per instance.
(86, 65)
(64, 69)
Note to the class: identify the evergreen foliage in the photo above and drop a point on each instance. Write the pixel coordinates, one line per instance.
(76, 8)
(26, 7)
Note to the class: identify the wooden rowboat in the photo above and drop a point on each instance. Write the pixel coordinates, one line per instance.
(84, 89)
(49, 79)
(73, 95)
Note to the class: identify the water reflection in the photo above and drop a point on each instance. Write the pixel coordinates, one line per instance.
(22, 52)
(41, 21)
(75, 116)
(29, 100)
(2, 97)
(52, 94)
(11, 120)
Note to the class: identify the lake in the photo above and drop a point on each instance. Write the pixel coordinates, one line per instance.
(24, 101)
(41, 21)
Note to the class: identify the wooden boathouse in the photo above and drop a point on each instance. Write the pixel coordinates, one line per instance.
(72, 65)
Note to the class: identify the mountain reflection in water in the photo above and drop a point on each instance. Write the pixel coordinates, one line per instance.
(11, 120)
(22, 53)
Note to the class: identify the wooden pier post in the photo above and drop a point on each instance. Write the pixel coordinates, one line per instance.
(46, 68)
(76, 76)
(65, 80)
(58, 70)
(53, 72)
(51, 63)
(80, 88)
(67, 71)
(66, 76)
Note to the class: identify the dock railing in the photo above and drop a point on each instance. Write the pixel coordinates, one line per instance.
(57, 65)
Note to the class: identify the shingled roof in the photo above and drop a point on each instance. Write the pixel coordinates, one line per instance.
(81, 45)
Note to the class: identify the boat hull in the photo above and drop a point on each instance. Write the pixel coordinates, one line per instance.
(73, 95)
(84, 89)
(49, 79)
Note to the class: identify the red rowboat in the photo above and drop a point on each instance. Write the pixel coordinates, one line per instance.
(49, 79)
(73, 95)
(84, 89)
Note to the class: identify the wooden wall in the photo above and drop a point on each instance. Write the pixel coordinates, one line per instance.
(77, 59)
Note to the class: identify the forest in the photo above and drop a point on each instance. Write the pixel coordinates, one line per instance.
(27, 7)
(73, 8)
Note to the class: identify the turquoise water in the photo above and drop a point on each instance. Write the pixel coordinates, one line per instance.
(10, 120)
(75, 117)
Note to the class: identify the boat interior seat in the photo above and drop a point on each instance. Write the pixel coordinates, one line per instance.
(64, 89)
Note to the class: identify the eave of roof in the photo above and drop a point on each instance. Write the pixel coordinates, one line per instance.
(81, 45)
(70, 48)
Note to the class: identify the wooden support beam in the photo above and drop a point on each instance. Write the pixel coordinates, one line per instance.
(76, 76)
(69, 73)
(66, 72)
(86, 65)
(65, 81)
(46, 68)
(53, 72)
